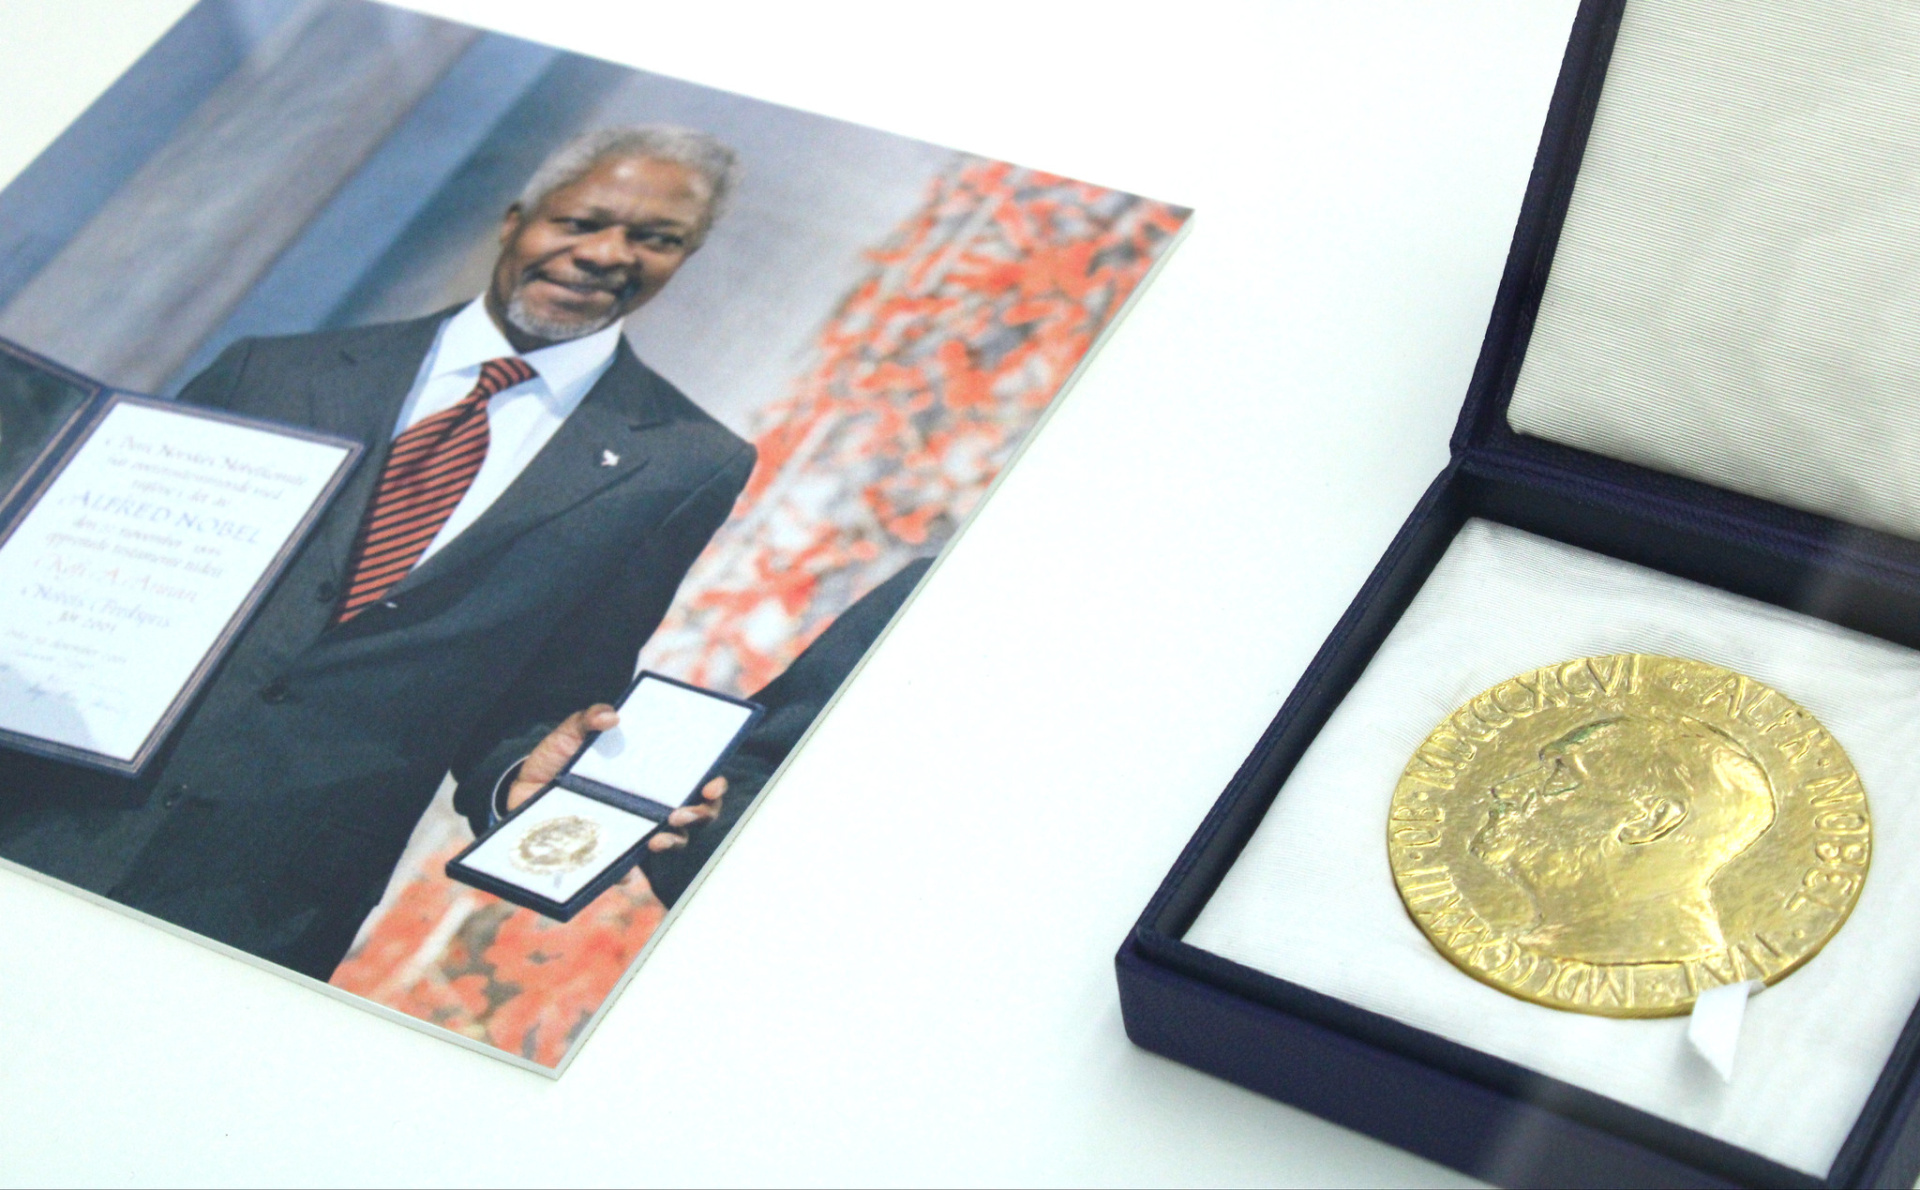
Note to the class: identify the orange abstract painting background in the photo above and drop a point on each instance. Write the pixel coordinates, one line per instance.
(918, 391)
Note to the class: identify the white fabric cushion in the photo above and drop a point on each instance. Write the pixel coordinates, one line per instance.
(1736, 294)
(1312, 900)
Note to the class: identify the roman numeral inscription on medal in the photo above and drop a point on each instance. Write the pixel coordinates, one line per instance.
(1451, 747)
(1436, 904)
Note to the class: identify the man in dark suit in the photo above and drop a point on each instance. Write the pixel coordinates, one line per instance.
(531, 497)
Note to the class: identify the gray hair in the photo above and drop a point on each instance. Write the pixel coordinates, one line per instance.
(717, 166)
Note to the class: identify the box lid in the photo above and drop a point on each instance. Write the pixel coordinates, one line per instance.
(1713, 293)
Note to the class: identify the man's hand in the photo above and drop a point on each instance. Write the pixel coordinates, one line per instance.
(705, 810)
(544, 763)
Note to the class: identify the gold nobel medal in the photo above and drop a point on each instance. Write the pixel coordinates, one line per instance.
(558, 846)
(1616, 835)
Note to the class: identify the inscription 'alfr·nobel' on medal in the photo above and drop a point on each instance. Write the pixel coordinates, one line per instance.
(1616, 835)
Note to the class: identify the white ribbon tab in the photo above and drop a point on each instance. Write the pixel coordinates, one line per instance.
(1714, 1030)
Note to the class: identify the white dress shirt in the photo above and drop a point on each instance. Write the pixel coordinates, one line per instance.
(519, 419)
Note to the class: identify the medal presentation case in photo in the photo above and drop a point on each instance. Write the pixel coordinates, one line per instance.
(136, 538)
(1687, 472)
(582, 832)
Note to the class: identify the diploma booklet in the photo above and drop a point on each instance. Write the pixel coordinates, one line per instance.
(135, 538)
(580, 834)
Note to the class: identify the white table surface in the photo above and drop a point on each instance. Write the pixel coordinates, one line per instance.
(989, 808)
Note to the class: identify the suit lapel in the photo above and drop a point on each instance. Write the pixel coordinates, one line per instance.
(599, 445)
(360, 396)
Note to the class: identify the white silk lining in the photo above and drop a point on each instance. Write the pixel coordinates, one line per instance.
(1312, 900)
(1735, 296)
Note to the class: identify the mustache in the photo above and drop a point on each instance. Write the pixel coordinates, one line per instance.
(620, 290)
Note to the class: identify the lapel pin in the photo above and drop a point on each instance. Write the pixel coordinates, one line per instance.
(609, 459)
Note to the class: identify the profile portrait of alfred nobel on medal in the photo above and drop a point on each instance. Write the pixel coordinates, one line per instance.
(1616, 834)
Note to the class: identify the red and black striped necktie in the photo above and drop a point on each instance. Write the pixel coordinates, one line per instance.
(431, 466)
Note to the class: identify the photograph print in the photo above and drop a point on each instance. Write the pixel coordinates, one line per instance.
(463, 472)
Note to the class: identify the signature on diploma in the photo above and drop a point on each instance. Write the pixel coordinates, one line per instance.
(39, 691)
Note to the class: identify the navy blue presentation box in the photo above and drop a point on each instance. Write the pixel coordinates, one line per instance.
(1479, 1114)
(615, 866)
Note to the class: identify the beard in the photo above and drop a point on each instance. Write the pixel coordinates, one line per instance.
(558, 329)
